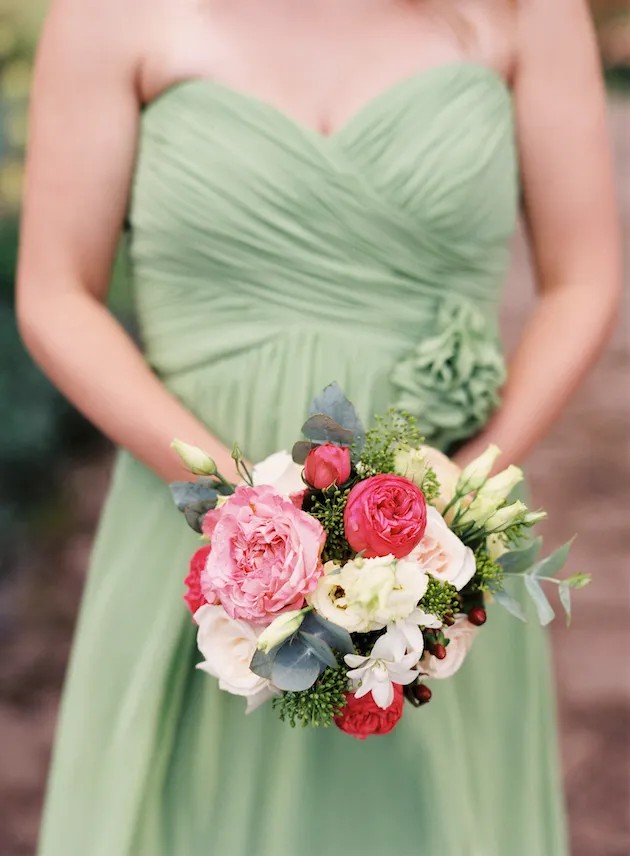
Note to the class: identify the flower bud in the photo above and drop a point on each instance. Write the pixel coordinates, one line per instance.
(506, 517)
(477, 471)
(499, 487)
(422, 693)
(411, 464)
(280, 629)
(477, 616)
(326, 465)
(194, 459)
(533, 517)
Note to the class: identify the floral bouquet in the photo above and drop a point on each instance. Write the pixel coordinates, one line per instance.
(342, 579)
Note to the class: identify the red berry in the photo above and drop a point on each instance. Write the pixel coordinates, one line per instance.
(449, 619)
(422, 693)
(439, 651)
(477, 616)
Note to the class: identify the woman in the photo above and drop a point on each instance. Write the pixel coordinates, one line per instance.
(315, 192)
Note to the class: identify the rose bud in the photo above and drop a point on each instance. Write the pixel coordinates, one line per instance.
(477, 616)
(439, 651)
(327, 465)
(422, 693)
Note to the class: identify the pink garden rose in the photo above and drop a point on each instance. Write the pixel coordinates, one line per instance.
(265, 555)
(326, 465)
(194, 597)
(385, 514)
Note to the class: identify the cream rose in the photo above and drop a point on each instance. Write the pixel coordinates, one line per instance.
(367, 594)
(228, 646)
(461, 635)
(413, 465)
(281, 472)
(442, 554)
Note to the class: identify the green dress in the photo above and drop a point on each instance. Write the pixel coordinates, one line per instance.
(269, 261)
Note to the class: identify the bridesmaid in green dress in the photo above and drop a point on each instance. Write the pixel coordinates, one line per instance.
(316, 191)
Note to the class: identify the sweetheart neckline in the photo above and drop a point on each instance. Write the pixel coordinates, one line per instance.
(423, 75)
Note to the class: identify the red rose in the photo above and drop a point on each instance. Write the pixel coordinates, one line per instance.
(362, 717)
(327, 465)
(385, 514)
(298, 497)
(194, 597)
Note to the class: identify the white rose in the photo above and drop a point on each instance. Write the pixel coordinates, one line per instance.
(367, 594)
(228, 646)
(442, 554)
(461, 635)
(280, 471)
(413, 465)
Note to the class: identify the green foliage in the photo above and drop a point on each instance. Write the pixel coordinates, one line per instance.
(430, 486)
(390, 431)
(440, 598)
(317, 705)
(328, 506)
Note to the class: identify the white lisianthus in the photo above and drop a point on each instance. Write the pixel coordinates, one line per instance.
(461, 635)
(442, 554)
(414, 463)
(387, 664)
(495, 547)
(194, 459)
(281, 628)
(477, 471)
(367, 594)
(228, 646)
(499, 487)
(280, 471)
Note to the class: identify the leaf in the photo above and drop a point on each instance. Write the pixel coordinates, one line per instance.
(564, 591)
(301, 450)
(543, 607)
(323, 429)
(336, 637)
(295, 667)
(518, 561)
(578, 581)
(320, 648)
(190, 493)
(550, 566)
(262, 663)
(332, 402)
(510, 603)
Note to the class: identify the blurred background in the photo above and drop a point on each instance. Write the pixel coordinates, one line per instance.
(54, 470)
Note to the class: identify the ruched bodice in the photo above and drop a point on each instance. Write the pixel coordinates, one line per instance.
(393, 232)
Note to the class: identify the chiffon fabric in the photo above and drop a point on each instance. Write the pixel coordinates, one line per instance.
(269, 260)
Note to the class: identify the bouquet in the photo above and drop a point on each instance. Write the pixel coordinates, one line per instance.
(342, 579)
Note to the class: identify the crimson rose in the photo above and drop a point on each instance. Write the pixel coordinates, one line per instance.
(194, 597)
(326, 465)
(385, 514)
(362, 717)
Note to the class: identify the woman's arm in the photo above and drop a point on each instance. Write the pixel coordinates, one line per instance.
(572, 221)
(80, 161)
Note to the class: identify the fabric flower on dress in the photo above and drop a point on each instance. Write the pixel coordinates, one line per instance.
(451, 380)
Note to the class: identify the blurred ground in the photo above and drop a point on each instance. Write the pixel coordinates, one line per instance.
(581, 474)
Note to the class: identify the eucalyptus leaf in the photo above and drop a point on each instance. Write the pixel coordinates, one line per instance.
(543, 607)
(301, 450)
(550, 566)
(189, 493)
(564, 591)
(336, 637)
(262, 664)
(296, 667)
(510, 603)
(518, 561)
(333, 402)
(321, 428)
(320, 648)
